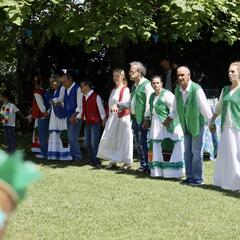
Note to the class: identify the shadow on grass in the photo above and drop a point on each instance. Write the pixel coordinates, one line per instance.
(229, 193)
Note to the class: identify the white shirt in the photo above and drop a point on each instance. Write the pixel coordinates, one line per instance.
(168, 98)
(99, 104)
(202, 102)
(228, 119)
(148, 91)
(40, 102)
(79, 98)
(11, 109)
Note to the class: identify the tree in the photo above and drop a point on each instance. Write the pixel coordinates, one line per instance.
(111, 23)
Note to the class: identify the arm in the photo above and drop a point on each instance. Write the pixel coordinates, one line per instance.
(78, 111)
(170, 100)
(148, 91)
(18, 112)
(101, 110)
(216, 112)
(61, 96)
(125, 102)
(40, 102)
(203, 105)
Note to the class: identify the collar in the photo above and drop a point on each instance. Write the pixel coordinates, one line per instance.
(140, 82)
(188, 87)
(89, 94)
(71, 86)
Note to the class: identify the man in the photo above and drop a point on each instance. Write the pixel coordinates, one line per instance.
(141, 92)
(93, 113)
(194, 112)
(169, 74)
(73, 106)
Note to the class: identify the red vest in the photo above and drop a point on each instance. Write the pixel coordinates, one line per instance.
(90, 109)
(36, 113)
(125, 111)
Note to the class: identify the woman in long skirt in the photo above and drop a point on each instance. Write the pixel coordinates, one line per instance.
(161, 102)
(58, 148)
(227, 166)
(116, 144)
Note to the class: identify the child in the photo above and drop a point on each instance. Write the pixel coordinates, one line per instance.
(8, 119)
(93, 113)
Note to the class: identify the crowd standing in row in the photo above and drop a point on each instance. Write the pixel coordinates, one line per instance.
(151, 114)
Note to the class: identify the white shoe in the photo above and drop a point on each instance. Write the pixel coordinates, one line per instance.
(39, 156)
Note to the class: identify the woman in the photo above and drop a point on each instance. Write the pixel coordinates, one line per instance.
(161, 102)
(227, 167)
(57, 149)
(116, 144)
(40, 115)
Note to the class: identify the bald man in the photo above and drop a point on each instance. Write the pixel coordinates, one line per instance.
(194, 113)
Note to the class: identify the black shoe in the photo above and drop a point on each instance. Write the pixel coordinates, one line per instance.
(186, 181)
(197, 182)
(96, 165)
(142, 169)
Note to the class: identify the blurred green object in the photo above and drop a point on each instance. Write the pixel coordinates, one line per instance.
(17, 173)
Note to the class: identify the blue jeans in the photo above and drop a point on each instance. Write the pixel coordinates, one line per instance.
(43, 135)
(73, 135)
(193, 155)
(140, 139)
(10, 138)
(91, 140)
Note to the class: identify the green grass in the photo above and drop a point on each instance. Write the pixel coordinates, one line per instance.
(78, 202)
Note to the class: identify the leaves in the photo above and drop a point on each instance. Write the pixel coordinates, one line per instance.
(98, 23)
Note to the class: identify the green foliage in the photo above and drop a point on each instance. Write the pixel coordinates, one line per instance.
(98, 23)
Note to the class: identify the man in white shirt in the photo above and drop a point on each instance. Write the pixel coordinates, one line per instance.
(194, 113)
(73, 106)
(140, 95)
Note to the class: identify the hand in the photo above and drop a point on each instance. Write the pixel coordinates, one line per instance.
(51, 102)
(29, 118)
(73, 119)
(212, 127)
(114, 108)
(104, 122)
(145, 124)
(45, 114)
(167, 122)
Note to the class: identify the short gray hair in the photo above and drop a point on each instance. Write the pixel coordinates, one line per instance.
(140, 67)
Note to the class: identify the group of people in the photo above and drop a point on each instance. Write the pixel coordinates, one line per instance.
(150, 116)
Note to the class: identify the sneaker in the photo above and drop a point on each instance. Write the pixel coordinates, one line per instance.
(111, 165)
(142, 169)
(39, 156)
(97, 165)
(186, 181)
(196, 182)
(126, 166)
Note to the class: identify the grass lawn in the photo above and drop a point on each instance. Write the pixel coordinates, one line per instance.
(79, 202)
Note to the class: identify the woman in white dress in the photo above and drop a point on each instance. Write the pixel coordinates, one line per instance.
(116, 144)
(227, 166)
(58, 148)
(161, 102)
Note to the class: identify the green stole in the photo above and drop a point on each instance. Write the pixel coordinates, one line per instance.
(233, 103)
(189, 113)
(162, 110)
(140, 100)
